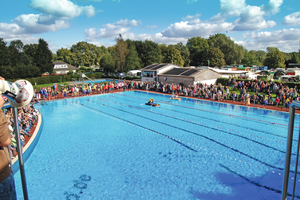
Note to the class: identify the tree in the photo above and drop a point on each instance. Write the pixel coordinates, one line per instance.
(121, 52)
(171, 55)
(107, 62)
(7, 72)
(215, 56)
(269, 49)
(132, 60)
(184, 52)
(70, 72)
(250, 59)
(197, 46)
(275, 58)
(85, 54)
(295, 57)
(149, 52)
(4, 54)
(64, 55)
(43, 56)
(30, 50)
(233, 53)
(259, 56)
(17, 54)
(33, 71)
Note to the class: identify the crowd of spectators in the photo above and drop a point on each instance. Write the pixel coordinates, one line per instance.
(257, 92)
(27, 117)
(74, 90)
(262, 92)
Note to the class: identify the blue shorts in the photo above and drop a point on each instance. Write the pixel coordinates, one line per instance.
(7, 188)
(287, 105)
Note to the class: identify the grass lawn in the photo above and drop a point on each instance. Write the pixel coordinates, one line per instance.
(51, 85)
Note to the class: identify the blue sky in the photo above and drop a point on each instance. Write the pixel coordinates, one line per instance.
(255, 24)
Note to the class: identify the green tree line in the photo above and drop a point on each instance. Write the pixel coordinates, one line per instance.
(31, 60)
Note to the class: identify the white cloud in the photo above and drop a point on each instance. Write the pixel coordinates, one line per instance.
(127, 22)
(25, 25)
(186, 29)
(272, 7)
(30, 24)
(252, 19)
(191, 1)
(111, 30)
(232, 7)
(55, 15)
(152, 27)
(190, 17)
(249, 17)
(292, 19)
(62, 8)
(287, 40)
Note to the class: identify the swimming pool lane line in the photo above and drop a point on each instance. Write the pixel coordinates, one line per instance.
(251, 157)
(254, 182)
(212, 111)
(268, 133)
(173, 139)
(228, 157)
(202, 124)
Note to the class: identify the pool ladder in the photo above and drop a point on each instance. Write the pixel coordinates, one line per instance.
(293, 106)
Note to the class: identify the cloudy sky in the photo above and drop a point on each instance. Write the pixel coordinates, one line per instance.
(255, 24)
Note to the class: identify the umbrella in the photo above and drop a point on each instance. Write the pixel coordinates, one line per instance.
(121, 74)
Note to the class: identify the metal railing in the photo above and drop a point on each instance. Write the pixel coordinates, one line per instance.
(19, 149)
(293, 106)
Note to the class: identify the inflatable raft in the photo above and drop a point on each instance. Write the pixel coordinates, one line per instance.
(175, 98)
(154, 105)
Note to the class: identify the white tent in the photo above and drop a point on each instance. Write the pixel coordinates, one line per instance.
(133, 72)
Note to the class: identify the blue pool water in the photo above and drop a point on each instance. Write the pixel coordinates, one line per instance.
(98, 81)
(115, 147)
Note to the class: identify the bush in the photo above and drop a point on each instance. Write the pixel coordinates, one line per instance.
(98, 75)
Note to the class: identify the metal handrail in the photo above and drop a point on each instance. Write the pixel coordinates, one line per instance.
(289, 151)
(19, 149)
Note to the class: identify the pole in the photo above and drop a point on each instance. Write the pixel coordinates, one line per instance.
(19, 150)
(288, 152)
(296, 167)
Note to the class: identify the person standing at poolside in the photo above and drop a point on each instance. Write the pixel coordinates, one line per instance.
(248, 99)
(7, 182)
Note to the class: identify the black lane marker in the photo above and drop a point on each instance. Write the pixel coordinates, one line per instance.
(219, 130)
(141, 126)
(241, 117)
(262, 162)
(256, 183)
(268, 133)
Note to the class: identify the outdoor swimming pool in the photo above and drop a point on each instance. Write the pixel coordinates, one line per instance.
(115, 147)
